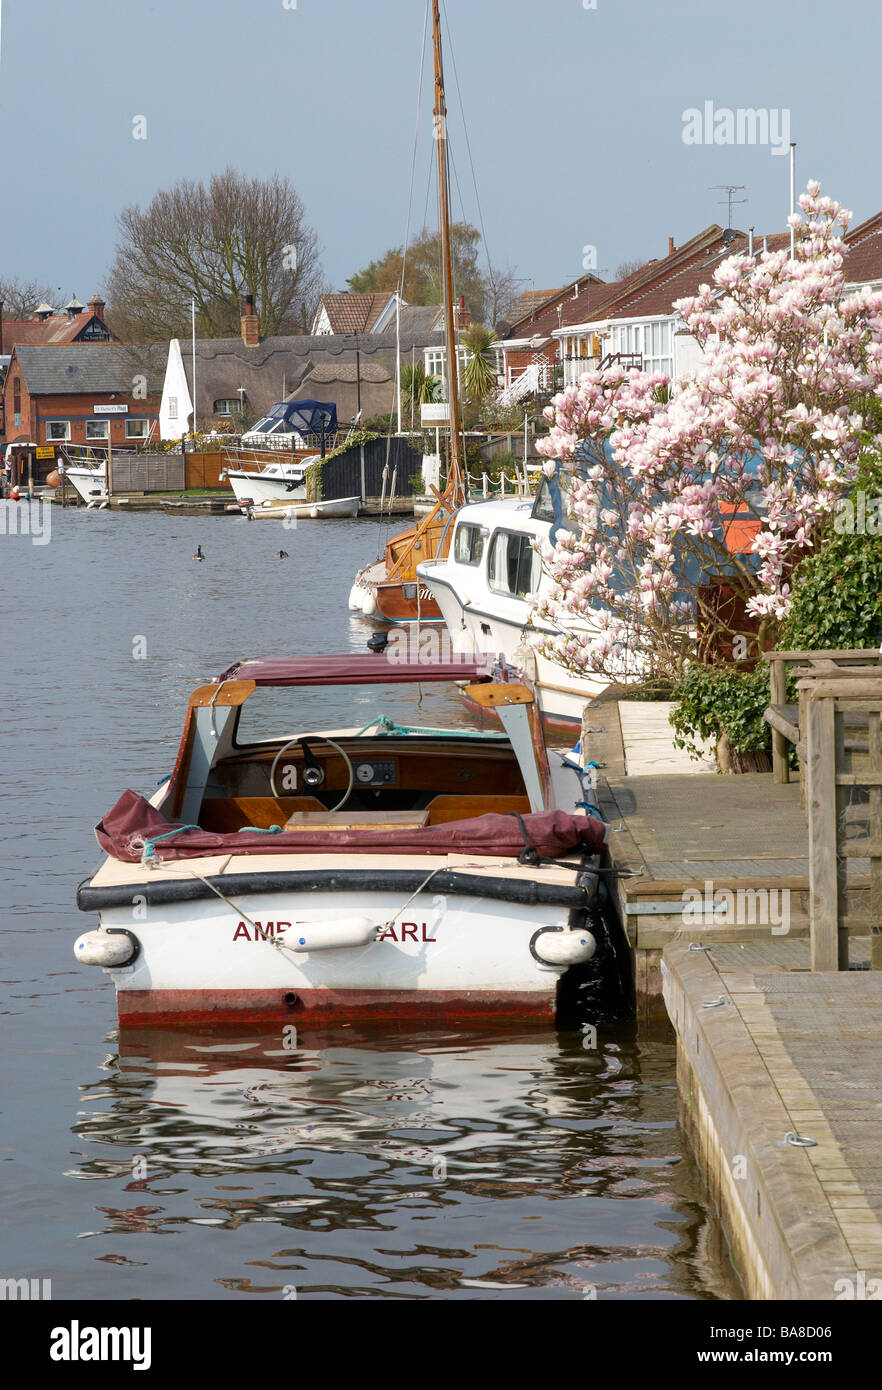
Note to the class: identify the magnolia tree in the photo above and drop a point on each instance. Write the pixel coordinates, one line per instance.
(769, 426)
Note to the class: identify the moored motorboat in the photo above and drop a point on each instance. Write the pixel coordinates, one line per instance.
(276, 482)
(88, 480)
(488, 585)
(314, 511)
(382, 872)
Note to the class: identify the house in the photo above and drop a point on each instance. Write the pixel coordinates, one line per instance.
(637, 323)
(353, 313)
(83, 393)
(75, 323)
(251, 373)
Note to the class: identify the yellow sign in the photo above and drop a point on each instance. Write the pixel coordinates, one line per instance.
(45, 451)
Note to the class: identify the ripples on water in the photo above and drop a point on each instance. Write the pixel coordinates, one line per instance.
(383, 1164)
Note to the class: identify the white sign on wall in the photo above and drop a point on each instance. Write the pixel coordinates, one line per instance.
(110, 410)
(435, 413)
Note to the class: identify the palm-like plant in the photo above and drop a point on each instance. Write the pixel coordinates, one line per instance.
(418, 387)
(479, 374)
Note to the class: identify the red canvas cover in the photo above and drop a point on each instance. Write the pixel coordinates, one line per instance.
(133, 822)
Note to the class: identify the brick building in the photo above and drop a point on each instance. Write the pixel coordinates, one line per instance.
(82, 394)
(75, 323)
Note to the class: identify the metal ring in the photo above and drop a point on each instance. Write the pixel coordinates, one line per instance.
(799, 1141)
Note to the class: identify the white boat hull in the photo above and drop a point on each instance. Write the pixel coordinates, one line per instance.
(453, 955)
(90, 483)
(253, 490)
(562, 696)
(308, 511)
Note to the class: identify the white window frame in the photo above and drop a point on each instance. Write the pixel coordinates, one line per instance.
(136, 420)
(173, 407)
(93, 425)
(57, 438)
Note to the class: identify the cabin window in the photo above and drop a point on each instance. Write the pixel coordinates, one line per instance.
(97, 429)
(227, 405)
(57, 431)
(136, 429)
(514, 565)
(468, 548)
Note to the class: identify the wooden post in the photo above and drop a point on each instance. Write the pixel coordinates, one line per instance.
(780, 752)
(826, 935)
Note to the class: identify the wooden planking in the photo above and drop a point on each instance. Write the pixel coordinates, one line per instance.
(649, 741)
(790, 1050)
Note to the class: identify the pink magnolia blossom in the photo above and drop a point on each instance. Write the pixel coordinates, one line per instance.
(768, 427)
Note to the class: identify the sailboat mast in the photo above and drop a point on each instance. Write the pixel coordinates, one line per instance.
(457, 469)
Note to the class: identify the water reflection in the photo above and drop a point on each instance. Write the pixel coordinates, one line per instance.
(403, 1165)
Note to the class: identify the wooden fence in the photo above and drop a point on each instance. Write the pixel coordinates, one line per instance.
(146, 473)
(843, 741)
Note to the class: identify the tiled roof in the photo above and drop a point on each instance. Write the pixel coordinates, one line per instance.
(531, 300)
(863, 259)
(91, 368)
(57, 329)
(354, 313)
(418, 318)
(659, 297)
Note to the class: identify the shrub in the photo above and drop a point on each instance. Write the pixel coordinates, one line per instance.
(837, 590)
(716, 700)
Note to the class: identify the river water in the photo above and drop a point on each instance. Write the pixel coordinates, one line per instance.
(403, 1165)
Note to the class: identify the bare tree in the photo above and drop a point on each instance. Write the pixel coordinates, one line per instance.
(21, 297)
(629, 267)
(216, 243)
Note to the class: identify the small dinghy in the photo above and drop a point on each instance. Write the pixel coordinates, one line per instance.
(380, 873)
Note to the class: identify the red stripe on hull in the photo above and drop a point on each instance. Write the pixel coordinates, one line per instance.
(168, 1007)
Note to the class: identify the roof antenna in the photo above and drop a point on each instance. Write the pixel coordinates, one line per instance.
(730, 189)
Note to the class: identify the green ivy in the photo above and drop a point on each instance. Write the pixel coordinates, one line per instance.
(715, 700)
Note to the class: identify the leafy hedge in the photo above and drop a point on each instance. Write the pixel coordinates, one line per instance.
(837, 596)
(714, 700)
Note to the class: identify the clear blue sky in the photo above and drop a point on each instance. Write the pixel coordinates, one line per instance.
(574, 114)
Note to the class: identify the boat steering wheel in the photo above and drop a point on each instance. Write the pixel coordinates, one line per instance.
(313, 776)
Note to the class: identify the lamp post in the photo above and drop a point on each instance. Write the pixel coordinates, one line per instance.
(193, 339)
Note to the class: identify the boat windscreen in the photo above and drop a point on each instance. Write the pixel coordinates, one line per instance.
(273, 712)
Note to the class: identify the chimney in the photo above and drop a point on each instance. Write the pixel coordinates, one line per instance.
(250, 324)
(461, 315)
(671, 247)
(96, 304)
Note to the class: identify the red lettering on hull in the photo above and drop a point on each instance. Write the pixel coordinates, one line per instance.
(408, 933)
(271, 930)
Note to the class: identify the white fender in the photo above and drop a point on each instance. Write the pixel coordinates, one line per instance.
(355, 597)
(104, 948)
(369, 603)
(564, 947)
(331, 936)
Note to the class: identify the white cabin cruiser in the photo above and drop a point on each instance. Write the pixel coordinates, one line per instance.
(88, 479)
(276, 482)
(486, 585)
(377, 873)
